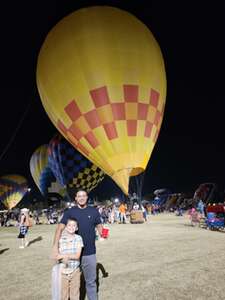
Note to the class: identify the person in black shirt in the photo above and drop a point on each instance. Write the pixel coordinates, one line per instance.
(88, 219)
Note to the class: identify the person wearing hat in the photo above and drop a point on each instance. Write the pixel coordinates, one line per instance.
(23, 227)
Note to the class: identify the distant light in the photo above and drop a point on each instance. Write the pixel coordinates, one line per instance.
(29, 189)
(68, 203)
(116, 200)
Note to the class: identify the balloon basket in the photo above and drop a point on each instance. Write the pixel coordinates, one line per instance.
(136, 217)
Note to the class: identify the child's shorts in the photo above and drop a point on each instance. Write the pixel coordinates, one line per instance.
(23, 232)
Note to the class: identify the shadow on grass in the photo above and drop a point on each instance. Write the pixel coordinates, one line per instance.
(189, 225)
(105, 274)
(38, 239)
(99, 268)
(3, 250)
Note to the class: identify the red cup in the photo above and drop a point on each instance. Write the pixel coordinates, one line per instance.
(105, 233)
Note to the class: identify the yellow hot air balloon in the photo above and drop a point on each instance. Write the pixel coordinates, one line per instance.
(101, 79)
(12, 189)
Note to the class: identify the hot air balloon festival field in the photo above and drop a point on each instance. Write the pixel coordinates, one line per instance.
(123, 142)
(164, 258)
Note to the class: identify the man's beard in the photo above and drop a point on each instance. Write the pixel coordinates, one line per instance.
(82, 205)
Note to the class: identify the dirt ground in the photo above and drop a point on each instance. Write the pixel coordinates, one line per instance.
(164, 258)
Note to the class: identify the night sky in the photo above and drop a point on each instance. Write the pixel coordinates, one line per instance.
(191, 34)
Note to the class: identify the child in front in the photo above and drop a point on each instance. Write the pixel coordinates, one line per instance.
(70, 247)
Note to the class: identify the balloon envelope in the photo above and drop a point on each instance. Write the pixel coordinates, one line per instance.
(101, 79)
(70, 167)
(42, 173)
(12, 189)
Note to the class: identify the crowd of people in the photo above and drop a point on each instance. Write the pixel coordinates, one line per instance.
(12, 217)
(121, 213)
(117, 213)
(114, 213)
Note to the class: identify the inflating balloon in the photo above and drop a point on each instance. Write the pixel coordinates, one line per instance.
(12, 190)
(101, 79)
(71, 168)
(42, 174)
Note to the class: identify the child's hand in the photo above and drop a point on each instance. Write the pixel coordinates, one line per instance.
(65, 259)
(59, 256)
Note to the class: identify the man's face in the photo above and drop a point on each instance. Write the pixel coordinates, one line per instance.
(81, 198)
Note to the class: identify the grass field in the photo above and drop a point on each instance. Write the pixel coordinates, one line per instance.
(164, 258)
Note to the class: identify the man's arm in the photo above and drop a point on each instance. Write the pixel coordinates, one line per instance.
(98, 223)
(99, 227)
(58, 232)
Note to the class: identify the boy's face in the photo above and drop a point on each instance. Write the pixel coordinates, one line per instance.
(71, 227)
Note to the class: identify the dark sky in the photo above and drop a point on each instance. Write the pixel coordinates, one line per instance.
(191, 34)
